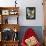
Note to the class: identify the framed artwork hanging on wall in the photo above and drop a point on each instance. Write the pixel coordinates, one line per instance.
(30, 12)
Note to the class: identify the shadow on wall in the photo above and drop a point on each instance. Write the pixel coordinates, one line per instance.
(37, 29)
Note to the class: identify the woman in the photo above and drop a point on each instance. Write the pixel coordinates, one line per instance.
(30, 38)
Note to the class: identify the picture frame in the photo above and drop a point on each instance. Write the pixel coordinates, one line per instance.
(13, 12)
(5, 12)
(30, 12)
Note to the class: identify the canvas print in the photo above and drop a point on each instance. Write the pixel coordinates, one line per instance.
(30, 13)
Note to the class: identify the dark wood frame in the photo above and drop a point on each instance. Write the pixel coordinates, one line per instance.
(15, 9)
(11, 26)
(30, 9)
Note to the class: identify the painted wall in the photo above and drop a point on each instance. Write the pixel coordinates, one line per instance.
(22, 11)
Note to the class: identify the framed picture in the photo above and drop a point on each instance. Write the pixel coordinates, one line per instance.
(5, 12)
(13, 12)
(30, 12)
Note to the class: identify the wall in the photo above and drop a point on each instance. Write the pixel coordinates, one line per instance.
(22, 11)
(39, 12)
